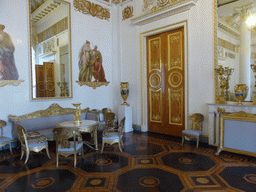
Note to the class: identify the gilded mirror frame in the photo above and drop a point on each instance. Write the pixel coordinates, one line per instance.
(215, 50)
(33, 97)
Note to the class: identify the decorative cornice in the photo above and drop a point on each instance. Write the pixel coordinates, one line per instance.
(89, 8)
(10, 82)
(169, 10)
(227, 28)
(92, 84)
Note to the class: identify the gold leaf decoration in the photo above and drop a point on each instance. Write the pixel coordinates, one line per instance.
(127, 12)
(87, 7)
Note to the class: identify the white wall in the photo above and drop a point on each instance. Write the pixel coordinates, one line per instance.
(119, 42)
(16, 100)
(200, 71)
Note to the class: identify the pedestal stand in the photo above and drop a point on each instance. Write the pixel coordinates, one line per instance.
(125, 111)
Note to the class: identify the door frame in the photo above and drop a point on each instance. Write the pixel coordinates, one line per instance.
(143, 54)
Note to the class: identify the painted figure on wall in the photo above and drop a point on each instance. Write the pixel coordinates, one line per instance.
(8, 70)
(90, 64)
(98, 71)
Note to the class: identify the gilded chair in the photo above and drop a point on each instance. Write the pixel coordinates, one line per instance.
(32, 141)
(111, 136)
(64, 146)
(4, 140)
(109, 119)
(196, 120)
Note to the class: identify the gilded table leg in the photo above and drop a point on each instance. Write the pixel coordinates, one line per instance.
(95, 139)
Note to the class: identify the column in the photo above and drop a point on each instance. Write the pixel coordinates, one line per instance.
(245, 53)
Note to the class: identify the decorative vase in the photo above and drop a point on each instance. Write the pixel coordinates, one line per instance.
(125, 92)
(241, 91)
(77, 114)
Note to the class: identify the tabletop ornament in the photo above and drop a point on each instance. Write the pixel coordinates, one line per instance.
(77, 114)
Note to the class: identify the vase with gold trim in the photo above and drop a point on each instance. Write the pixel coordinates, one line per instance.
(241, 91)
(124, 92)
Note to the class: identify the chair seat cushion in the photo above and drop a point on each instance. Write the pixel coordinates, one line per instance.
(71, 148)
(192, 132)
(111, 136)
(34, 143)
(5, 139)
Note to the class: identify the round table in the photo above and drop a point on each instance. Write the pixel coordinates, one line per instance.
(86, 126)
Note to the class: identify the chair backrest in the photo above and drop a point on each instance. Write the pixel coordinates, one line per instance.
(22, 134)
(2, 124)
(62, 136)
(121, 127)
(93, 114)
(197, 121)
(109, 119)
(104, 111)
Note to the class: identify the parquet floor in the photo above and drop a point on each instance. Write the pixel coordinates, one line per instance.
(150, 162)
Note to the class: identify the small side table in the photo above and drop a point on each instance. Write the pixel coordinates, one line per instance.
(125, 111)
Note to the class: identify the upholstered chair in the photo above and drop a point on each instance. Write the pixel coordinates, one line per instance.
(111, 136)
(4, 140)
(64, 146)
(196, 121)
(32, 141)
(100, 116)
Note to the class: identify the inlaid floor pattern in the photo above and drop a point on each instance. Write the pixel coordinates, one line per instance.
(149, 162)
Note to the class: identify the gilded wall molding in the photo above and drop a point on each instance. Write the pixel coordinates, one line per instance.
(94, 85)
(55, 29)
(89, 8)
(10, 82)
(127, 12)
(163, 12)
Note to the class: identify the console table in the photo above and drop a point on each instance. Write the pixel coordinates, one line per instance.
(213, 117)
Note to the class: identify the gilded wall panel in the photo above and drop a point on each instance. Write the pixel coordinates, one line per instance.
(175, 51)
(155, 98)
(87, 7)
(175, 99)
(154, 54)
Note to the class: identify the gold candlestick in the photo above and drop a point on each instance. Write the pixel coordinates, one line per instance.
(224, 82)
(77, 114)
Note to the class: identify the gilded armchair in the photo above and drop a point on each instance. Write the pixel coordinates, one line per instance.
(196, 120)
(31, 141)
(64, 146)
(111, 136)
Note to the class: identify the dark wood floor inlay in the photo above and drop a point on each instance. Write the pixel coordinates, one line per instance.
(149, 162)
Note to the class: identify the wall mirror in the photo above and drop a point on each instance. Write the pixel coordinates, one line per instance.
(236, 45)
(50, 49)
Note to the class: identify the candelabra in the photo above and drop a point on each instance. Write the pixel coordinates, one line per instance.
(64, 91)
(224, 76)
(253, 67)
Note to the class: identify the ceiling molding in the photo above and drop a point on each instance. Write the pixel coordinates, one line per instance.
(167, 11)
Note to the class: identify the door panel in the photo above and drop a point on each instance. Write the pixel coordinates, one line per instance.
(165, 56)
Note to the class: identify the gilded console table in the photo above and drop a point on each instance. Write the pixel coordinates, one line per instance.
(214, 118)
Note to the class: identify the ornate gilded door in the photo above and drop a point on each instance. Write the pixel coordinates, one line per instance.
(165, 73)
(45, 86)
